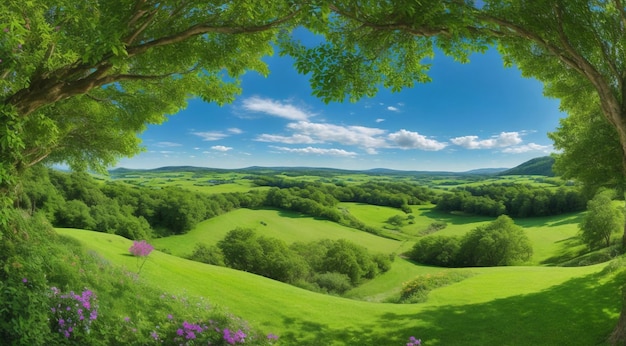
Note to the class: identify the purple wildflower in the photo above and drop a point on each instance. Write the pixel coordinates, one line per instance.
(141, 249)
(414, 341)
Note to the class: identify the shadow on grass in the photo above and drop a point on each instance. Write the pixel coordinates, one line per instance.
(567, 251)
(581, 311)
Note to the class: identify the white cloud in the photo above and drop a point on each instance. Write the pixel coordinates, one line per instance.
(380, 120)
(235, 130)
(210, 135)
(413, 140)
(221, 148)
(275, 108)
(367, 137)
(167, 144)
(294, 139)
(504, 139)
(393, 109)
(529, 147)
(317, 151)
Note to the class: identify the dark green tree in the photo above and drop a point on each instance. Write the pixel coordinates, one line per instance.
(601, 221)
(498, 243)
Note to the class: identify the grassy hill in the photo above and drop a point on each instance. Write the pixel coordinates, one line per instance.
(505, 305)
(537, 166)
(494, 306)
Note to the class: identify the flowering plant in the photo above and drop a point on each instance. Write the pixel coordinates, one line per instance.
(141, 250)
(414, 342)
(72, 314)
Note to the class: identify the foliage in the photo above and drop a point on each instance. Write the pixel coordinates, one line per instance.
(589, 150)
(437, 250)
(332, 282)
(35, 312)
(498, 243)
(396, 220)
(416, 290)
(27, 256)
(332, 265)
(515, 200)
(434, 227)
(209, 254)
(601, 221)
(72, 313)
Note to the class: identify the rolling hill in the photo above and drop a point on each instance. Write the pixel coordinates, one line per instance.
(537, 166)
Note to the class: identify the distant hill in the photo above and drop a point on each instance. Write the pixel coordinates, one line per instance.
(486, 171)
(536, 166)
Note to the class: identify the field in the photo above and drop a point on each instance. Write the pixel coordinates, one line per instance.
(540, 303)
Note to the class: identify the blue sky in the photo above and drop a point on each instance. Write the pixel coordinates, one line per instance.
(475, 115)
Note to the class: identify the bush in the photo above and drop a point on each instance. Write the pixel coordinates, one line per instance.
(499, 243)
(207, 254)
(434, 227)
(436, 250)
(333, 282)
(416, 290)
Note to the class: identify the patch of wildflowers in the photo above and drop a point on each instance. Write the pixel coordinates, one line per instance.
(414, 341)
(69, 312)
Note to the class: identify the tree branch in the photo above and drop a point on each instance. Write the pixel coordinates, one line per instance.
(622, 13)
(421, 31)
(200, 29)
(130, 39)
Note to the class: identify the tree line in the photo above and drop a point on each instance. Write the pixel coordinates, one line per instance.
(515, 200)
(78, 200)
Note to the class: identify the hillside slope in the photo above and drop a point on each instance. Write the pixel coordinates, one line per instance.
(525, 305)
(537, 166)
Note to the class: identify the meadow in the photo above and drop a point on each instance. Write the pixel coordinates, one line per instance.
(540, 303)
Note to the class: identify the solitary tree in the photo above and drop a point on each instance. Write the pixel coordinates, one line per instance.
(601, 221)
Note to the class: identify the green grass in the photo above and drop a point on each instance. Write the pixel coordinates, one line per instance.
(285, 225)
(497, 306)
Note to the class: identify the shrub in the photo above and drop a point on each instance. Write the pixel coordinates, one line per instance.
(436, 250)
(333, 282)
(434, 227)
(207, 254)
(416, 290)
(499, 243)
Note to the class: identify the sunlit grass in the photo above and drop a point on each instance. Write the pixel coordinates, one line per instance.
(506, 305)
(288, 226)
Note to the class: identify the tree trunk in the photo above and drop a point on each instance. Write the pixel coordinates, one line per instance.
(618, 336)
